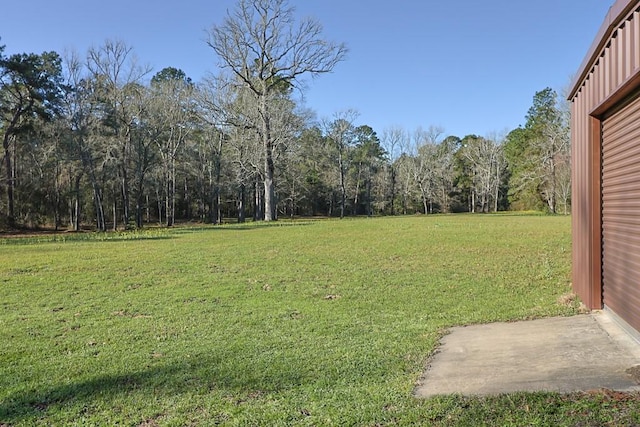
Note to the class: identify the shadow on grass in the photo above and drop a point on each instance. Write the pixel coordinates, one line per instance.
(246, 226)
(88, 237)
(202, 376)
(163, 234)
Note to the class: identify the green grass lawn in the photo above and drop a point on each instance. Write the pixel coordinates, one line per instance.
(306, 323)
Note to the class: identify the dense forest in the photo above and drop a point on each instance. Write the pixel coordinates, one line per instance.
(98, 141)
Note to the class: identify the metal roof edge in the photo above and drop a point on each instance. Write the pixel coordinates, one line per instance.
(616, 14)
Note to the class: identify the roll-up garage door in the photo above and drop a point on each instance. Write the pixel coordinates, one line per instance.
(621, 212)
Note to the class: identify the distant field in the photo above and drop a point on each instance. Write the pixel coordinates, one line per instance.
(294, 323)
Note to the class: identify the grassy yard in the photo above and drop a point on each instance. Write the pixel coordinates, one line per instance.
(307, 323)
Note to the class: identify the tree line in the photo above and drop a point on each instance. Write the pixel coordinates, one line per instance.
(96, 140)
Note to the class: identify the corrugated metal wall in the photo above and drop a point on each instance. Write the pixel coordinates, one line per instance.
(621, 212)
(609, 73)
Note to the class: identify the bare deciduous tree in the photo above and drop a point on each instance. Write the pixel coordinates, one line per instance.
(119, 75)
(173, 116)
(392, 141)
(487, 166)
(425, 150)
(339, 133)
(263, 48)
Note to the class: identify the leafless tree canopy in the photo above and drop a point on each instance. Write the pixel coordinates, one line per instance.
(261, 43)
(264, 49)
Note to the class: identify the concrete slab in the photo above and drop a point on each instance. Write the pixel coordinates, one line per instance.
(563, 355)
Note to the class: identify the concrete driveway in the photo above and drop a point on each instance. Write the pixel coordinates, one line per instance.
(564, 354)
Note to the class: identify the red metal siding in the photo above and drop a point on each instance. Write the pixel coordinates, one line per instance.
(610, 72)
(620, 212)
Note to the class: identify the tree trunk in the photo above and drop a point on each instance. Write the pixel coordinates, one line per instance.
(241, 203)
(445, 201)
(217, 209)
(218, 177)
(424, 203)
(330, 213)
(115, 214)
(269, 193)
(498, 167)
(71, 210)
(10, 180)
(76, 208)
(125, 186)
(159, 202)
(139, 209)
(211, 195)
(356, 196)
(368, 185)
(100, 219)
(56, 207)
(171, 195)
(87, 164)
(213, 206)
(343, 190)
(6, 144)
(393, 189)
(404, 203)
(139, 203)
(552, 199)
(125, 201)
(269, 168)
(147, 209)
(473, 202)
(293, 200)
(187, 200)
(258, 213)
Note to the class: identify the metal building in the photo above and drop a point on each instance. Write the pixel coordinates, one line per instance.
(605, 147)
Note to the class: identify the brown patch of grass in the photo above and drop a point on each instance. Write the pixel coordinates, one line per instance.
(151, 422)
(572, 300)
(634, 372)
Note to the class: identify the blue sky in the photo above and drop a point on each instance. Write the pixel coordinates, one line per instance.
(470, 66)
